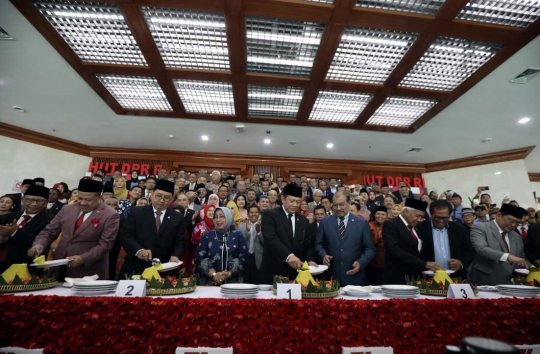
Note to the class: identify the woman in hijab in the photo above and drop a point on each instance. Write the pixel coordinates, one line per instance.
(236, 215)
(120, 190)
(206, 224)
(213, 199)
(221, 253)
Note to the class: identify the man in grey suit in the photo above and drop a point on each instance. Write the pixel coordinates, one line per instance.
(344, 243)
(251, 230)
(499, 249)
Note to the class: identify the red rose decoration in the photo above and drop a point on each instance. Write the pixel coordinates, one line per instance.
(95, 222)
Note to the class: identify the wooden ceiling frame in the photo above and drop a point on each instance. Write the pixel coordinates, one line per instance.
(336, 18)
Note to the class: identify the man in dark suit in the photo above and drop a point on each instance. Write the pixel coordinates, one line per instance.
(153, 231)
(446, 242)
(19, 229)
(202, 195)
(532, 245)
(190, 216)
(402, 245)
(344, 243)
(288, 240)
(192, 185)
(403, 193)
(54, 205)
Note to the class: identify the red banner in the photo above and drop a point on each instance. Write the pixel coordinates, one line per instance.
(143, 168)
(394, 181)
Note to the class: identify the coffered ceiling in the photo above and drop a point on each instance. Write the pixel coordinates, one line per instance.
(387, 65)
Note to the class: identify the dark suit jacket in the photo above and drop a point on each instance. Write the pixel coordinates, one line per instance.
(309, 197)
(55, 209)
(140, 232)
(19, 244)
(461, 247)
(401, 253)
(187, 189)
(329, 193)
(198, 202)
(356, 246)
(279, 243)
(400, 199)
(532, 243)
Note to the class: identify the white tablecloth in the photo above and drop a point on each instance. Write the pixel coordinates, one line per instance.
(207, 292)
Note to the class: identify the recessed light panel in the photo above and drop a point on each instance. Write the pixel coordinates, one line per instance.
(449, 62)
(189, 39)
(136, 92)
(430, 7)
(206, 96)
(400, 111)
(517, 13)
(96, 32)
(369, 55)
(282, 47)
(338, 106)
(274, 101)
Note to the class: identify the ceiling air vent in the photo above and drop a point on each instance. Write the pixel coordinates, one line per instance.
(525, 76)
(4, 35)
(415, 150)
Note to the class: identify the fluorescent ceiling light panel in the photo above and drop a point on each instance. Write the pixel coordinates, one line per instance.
(136, 92)
(282, 47)
(96, 32)
(517, 13)
(400, 111)
(338, 106)
(369, 55)
(206, 96)
(189, 39)
(424, 7)
(274, 101)
(449, 62)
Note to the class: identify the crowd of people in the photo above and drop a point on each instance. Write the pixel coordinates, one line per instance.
(249, 229)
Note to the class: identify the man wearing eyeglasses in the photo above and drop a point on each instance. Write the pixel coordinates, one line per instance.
(153, 231)
(19, 229)
(344, 243)
(499, 249)
(446, 242)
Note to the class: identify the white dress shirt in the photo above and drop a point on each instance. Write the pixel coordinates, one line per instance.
(161, 217)
(293, 222)
(414, 232)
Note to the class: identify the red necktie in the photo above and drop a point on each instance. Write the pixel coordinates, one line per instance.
(412, 233)
(79, 222)
(158, 220)
(523, 232)
(26, 218)
(504, 240)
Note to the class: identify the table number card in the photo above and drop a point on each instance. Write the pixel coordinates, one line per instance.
(204, 351)
(131, 288)
(528, 349)
(368, 350)
(289, 291)
(460, 291)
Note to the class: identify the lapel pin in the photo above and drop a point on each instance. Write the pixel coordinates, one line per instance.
(168, 217)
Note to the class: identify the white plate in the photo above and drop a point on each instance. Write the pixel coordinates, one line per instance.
(317, 270)
(239, 296)
(357, 288)
(487, 288)
(430, 273)
(519, 294)
(224, 291)
(55, 263)
(97, 292)
(98, 288)
(240, 287)
(400, 287)
(265, 287)
(376, 289)
(517, 287)
(522, 271)
(399, 296)
(355, 293)
(92, 283)
(169, 266)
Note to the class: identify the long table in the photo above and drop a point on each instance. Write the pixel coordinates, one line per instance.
(60, 322)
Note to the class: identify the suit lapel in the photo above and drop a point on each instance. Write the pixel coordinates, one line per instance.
(149, 211)
(166, 220)
(94, 214)
(287, 224)
(495, 233)
(352, 222)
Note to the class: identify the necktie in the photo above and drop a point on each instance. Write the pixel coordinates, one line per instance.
(253, 234)
(412, 233)
(79, 222)
(504, 240)
(523, 232)
(158, 220)
(454, 216)
(291, 220)
(342, 228)
(26, 218)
